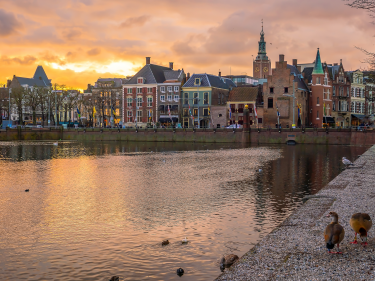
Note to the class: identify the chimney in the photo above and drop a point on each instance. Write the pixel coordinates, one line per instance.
(8, 83)
(299, 68)
(219, 73)
(148, 59)
(171, 65)
(335, 63)
(340, 61)
(295, 62)
(187, 76)
(281, 58)
(89, 88)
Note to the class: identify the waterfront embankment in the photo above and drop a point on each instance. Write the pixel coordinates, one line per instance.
(296, 249)
(253, 136)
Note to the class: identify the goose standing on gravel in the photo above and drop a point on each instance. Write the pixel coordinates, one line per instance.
(334, 233)
(361, 223)
(228, 260)
(346, 162)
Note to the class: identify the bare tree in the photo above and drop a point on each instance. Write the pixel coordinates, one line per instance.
(32, 100)
(18, 99)
(42, 101)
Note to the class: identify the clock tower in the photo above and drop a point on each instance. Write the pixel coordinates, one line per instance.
(261, 65)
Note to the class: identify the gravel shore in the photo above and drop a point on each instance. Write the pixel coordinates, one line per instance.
(296, 249)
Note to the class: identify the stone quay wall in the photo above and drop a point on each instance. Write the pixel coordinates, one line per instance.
(253, 136)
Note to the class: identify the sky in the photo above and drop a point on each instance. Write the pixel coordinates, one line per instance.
(78, 41)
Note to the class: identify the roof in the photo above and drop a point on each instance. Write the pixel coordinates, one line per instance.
(297, 77)
(155, 74)
(209, 80)
(318, 69)
(41, 75)
(243, 94)
(32, 82)
(117, 81)
(307, 71)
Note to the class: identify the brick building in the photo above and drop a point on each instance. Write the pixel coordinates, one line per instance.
(150, 93)
(285, 82)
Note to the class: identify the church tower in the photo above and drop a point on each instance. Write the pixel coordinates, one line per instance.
(261, 65)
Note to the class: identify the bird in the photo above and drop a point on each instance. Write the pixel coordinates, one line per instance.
(228, 260)
(361, 223)
(334, 233)
(56, 143)
(26, 190)
(346, 162)
(165, 242)
(184, 240)
(180, 271)
(115, 278)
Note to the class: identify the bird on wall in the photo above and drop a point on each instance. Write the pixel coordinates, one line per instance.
(361, 223)
(347, 162)
(334, 233)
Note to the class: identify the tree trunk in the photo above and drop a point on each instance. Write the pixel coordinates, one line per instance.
(34, 115)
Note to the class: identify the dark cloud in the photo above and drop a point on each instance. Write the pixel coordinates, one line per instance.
(27, 60)
(93, 52)
(136, 21)
(8, 23)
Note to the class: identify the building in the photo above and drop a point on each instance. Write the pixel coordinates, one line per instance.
(285, 96)
(340, 95)
(153, 95)
(240, 80)
(204, 99)
(357, 97)
(319, 83)
(261, 65)
(370, 89)
(239, 97)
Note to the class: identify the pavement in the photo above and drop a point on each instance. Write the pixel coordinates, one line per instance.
(296, 249)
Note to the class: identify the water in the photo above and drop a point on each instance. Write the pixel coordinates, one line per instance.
(95, 210)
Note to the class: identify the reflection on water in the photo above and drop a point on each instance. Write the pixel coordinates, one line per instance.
(100, 209)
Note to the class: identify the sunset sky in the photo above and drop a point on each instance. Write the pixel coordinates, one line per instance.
(78, 41)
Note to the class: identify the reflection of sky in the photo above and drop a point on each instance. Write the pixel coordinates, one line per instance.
(92, 207)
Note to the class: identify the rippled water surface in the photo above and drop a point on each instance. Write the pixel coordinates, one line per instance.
(95, 210)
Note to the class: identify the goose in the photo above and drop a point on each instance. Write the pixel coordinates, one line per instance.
(184, 240)
(165, 242)
(346, 162)
(228, 260)
(361, 223)
(334, 233)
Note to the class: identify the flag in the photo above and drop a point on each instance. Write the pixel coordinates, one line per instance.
(190, 112)
(230, 113)
(255, 110)
(324, 109)
(79, 114)
(209, 111)
(299, 110)
(169, 113)
(113, 111)
(278, 113)
(93, 112)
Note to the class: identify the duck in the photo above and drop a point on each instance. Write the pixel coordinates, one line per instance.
(334, 233)
(27, 190)
(184, 240)
(180, 271)
(165, 242)
(361, 223)
(228, 260)
(115, 278)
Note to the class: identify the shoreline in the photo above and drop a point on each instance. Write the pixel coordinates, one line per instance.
(295, 250)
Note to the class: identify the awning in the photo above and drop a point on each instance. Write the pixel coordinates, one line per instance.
(168, 120)
(328, 119)
(359, 116)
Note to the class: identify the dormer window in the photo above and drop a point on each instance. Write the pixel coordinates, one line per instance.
(140, 80)
(197, 81)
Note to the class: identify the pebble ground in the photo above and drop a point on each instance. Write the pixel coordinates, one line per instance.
(296, 249)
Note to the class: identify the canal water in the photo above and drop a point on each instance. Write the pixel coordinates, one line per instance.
(95, 210)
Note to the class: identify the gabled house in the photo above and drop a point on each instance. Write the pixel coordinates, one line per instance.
(153, 95)
(357, 97)
(204, 99)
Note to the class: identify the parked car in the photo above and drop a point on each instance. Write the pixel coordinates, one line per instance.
(39, 126)
(234, 126)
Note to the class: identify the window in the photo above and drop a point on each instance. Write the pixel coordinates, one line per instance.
(363, 108)
(318, 80)
(286, 90)
(334, 106)
(325, 81)
(271, 90)
(176, 89)
(139, 114)
(149, 101)
(197, 81)
(270, 102)
(205, 101)
(220, 115)
(317, 101)
(129, 101)
(130, 116)
(140, 80)
(195, 112)
(149, 90)
(353, 91)
(260, 120)
(162, 89)
(176, 98)
(186, 101)
(162, 98)
(333, 91)
(139, 101)
(195, 98)
(240, 108)
(130, 90)
(186, 112)
(317, 114)
(205, 112)
(139, 90)
(169, 89)
(169, 97)
(352, 107)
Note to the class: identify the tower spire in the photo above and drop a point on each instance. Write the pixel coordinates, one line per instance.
(318, 69)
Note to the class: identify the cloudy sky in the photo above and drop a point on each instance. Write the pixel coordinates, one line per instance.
(78, 41)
